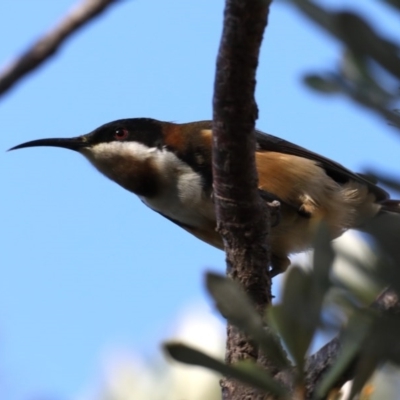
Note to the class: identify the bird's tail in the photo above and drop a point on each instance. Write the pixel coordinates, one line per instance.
(391, 206)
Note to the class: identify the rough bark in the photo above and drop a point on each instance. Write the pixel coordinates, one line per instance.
(242, 217)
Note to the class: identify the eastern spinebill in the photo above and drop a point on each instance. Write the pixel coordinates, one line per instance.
(168, 166)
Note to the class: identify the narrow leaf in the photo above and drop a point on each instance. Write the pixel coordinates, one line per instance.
(383, 341)
(352, 340)
(236, 306)
(245, 372)
(322, 84)
(365, 368)
(324, 256)
(386, 231)
(292, 318)
(298, 317)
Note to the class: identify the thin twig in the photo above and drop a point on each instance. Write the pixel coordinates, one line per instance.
(47, 45)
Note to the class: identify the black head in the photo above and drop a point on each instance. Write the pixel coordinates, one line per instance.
(143, 130)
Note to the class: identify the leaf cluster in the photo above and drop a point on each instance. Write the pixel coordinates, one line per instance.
(369, 70)
(368, 336)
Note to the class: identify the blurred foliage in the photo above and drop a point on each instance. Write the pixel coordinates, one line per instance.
(318, 299)
(369, 336)
(369, 71)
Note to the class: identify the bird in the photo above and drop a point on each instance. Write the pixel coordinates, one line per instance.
(169, 167)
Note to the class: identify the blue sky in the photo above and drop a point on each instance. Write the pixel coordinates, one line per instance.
(85, 265)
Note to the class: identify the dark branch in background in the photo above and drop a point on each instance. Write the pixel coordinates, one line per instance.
(47, 46)
(321, 361)
(242, 217)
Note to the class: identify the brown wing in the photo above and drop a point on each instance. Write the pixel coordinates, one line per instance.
(333, 169)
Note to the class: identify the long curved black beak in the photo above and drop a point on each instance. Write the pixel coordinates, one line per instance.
(69, 143)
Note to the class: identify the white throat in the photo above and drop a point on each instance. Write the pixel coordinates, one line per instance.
(181, 197)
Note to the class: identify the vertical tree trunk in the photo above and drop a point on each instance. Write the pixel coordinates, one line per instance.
(242, 217)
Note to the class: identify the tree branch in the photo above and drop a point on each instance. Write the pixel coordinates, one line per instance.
(47, 46)
(319, 363)
(241, 215)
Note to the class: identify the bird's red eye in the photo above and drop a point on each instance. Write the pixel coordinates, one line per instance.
(120, 134)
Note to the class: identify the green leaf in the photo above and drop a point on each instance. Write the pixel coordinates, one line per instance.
(352, 340)
(317, 14)
(321, 84)
(236, 306)
(362, 39)
(245, 372)
(371, 338)
(354, 67)
(385, 229)
(324, 256)
(295, 318)
(365, 368)
(383, 341)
